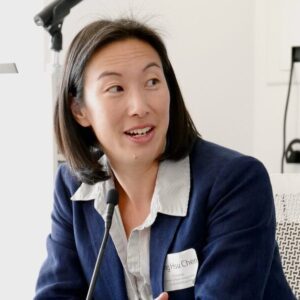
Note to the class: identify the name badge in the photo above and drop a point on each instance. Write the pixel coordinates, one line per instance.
(180, 270)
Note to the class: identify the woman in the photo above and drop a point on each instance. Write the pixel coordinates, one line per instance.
(194, 219)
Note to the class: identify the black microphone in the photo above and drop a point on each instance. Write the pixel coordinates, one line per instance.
(55, 12)
(111, 201)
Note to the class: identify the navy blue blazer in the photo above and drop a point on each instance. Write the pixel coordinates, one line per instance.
(230, 223)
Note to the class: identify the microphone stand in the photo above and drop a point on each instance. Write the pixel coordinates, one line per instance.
(52, 18)
(55, 78)
(56, 68)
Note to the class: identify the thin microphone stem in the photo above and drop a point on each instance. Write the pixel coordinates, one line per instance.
(97, 265)
(112, 201)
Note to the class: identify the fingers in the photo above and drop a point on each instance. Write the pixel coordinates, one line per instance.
(163, 296)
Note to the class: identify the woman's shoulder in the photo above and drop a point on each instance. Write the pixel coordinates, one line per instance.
(211, 158)
(207, 149)
(66, 179)
(230, 175)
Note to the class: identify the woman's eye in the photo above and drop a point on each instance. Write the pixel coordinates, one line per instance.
(115, 89)
(152, 82)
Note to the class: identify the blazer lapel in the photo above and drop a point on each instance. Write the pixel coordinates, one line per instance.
(162, 235)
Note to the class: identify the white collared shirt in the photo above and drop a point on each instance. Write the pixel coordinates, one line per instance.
(170, 197)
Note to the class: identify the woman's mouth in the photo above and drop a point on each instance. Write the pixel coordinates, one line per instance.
(140, 135)
(139, 131)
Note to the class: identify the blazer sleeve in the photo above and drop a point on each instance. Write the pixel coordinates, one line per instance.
(238, 253)
(61, 275)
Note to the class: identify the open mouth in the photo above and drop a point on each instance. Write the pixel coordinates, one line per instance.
(139, 132)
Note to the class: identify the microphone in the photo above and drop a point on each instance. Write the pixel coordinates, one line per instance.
(54, 13)
(111, 201)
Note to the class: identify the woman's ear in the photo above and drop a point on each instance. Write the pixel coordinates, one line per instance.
(79, 113)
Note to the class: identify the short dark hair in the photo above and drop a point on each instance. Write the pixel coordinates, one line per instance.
(78, 144)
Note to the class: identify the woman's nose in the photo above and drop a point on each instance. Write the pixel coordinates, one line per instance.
(138, 105)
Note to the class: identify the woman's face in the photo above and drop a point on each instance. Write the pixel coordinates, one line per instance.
(126, 102)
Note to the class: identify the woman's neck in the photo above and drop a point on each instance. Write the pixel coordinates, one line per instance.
(135, 187)
(136, 183)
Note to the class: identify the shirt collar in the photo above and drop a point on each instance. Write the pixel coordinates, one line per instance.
(171, 193)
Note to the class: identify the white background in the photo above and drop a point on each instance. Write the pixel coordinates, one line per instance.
(231, 58)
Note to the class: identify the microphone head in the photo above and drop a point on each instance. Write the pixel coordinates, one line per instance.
(112, 197)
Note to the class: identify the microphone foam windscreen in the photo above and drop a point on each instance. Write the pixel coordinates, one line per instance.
(112, 197)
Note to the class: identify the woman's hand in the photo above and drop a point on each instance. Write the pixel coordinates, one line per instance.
(162, 296)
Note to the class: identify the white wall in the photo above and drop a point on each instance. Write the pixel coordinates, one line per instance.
(25, 152)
